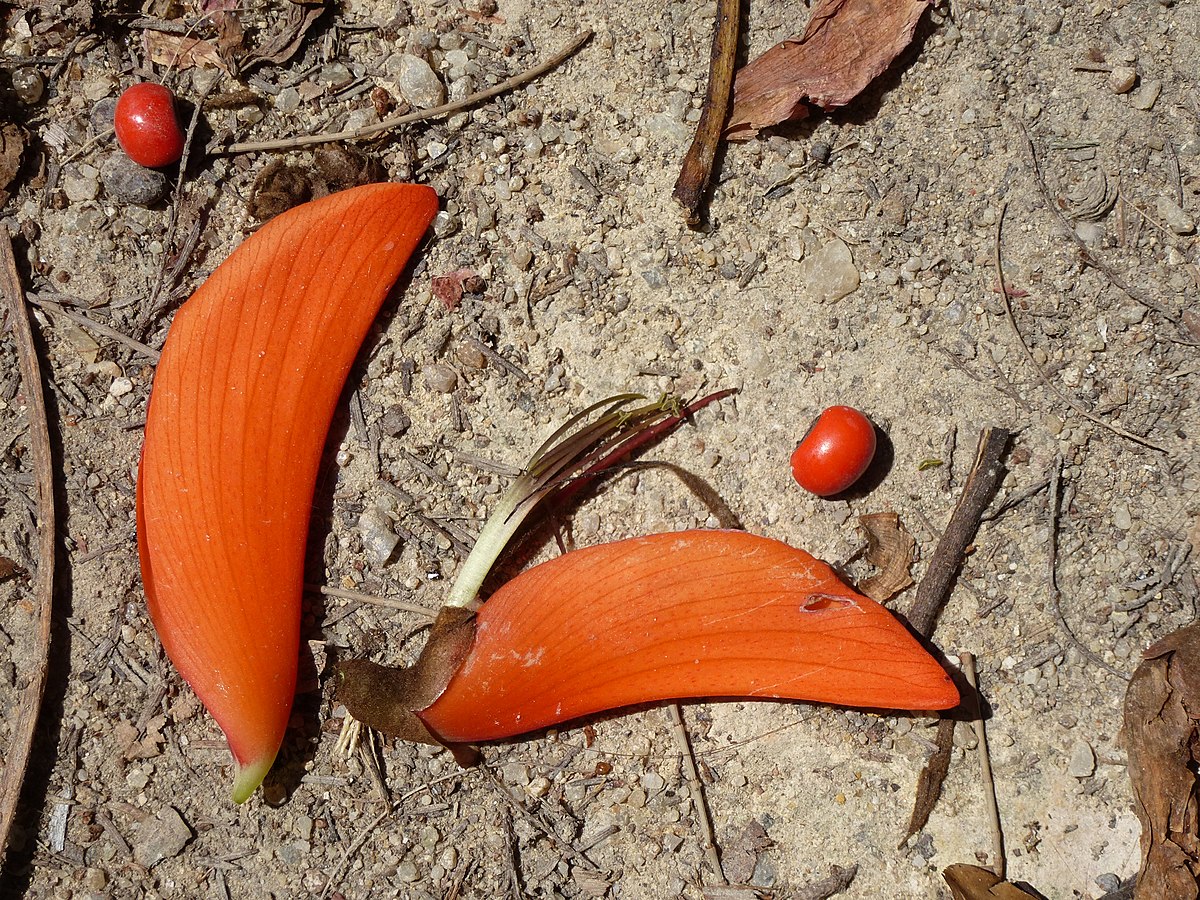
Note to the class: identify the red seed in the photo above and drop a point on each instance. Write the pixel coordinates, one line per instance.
(146, 126)
(836, 451)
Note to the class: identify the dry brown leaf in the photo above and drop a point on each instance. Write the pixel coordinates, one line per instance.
(181, 52)
(890, 549)
(8, 568)
(846, 45)
(976, 883)
(12, 148)
(837, 881)
(740, 856)
(931, 779)
(283, 44)
(231, 40)
(1162, 733)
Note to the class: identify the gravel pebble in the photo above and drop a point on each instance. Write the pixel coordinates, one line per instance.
(81, 183)
(418, 83)
(1146, 94)
(128, 183)
(379, 540)
(1174, 216)
(102, 114)
(829, 273)
(1082, 763)
(1122, 79)
(161, 838)
(440, 378)
(1122, 520)
(653, 782)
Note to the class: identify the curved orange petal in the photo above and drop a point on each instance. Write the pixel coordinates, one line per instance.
(242, 401)
(673, 616)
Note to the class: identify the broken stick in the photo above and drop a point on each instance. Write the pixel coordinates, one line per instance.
(934, 589)
(16, 754)
(696, 170)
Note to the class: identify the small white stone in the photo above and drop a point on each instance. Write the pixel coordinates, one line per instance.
(829, 273)
(1122, 520)
(379, 540)
(419, 84)
(1174, 216)
(120, 387)
(1146, 95)
(1082, 763)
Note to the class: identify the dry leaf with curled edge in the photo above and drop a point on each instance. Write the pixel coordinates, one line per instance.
(181, 51)
(890, 549)
(1162, 733)
(977, 883)
(846, 44)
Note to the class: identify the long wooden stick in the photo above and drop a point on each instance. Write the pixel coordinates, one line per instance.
(16, 755)
(696, 170)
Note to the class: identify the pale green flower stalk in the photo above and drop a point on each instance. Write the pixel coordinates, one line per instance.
(574, 451)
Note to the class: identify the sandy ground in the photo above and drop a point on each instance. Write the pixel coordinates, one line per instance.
(849, 259)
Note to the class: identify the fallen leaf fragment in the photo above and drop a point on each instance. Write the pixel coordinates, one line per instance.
(838, 879)
(8, 568)
(12, 148)
(284, 43)
(845, 46)
(1162, 733)
(449, 288)
(931, 779)
(182, 52)
(890, 549)
(740, 856)
(977, 883)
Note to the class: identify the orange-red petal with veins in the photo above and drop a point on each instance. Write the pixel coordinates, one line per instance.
(675, 616)
(242, 401)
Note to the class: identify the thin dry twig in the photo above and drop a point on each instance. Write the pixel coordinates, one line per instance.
(343, 594)
(155, 306)
(16, 755)
(696, 789)
(96, 327)
(1000, 866)
(1055, 594)
(696, 170)
(446, 109)
(1041, 374)
(934, 590)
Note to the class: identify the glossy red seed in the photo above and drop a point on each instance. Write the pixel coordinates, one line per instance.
(146, 126)
(836, 451)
